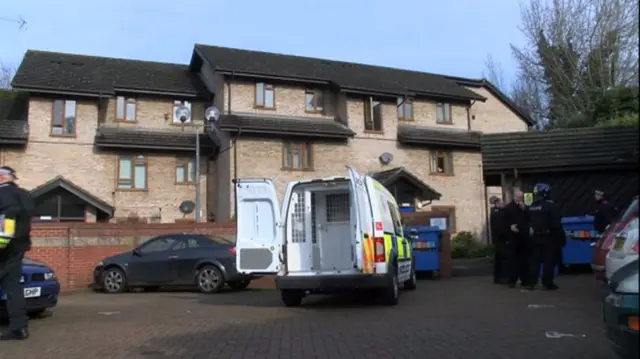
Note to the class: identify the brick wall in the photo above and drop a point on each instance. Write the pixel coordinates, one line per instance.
(72, 250)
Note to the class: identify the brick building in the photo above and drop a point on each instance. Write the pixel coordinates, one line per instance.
(96, 139)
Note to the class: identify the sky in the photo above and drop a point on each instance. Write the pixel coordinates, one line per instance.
(447, 37)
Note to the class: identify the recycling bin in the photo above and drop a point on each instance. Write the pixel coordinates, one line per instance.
(424, 247)
(580, 234)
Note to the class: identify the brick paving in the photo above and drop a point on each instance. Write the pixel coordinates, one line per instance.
(449, 319)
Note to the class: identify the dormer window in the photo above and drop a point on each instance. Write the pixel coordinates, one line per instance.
(176, 105)
(63, 121)
(125, 109)
(372, 115)
(265, 96)
(314, 101)
(443, 113)
(405, 109)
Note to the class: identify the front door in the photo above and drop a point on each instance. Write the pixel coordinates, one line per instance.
(153, 262)
(259, 233)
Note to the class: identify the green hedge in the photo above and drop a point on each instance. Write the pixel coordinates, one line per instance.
(466, 245)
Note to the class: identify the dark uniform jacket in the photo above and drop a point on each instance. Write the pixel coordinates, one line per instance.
(513, 214)
(546, 223)
(16, 203)
(605, 215)
(496, 223)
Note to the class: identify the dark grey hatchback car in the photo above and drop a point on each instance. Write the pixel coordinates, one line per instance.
(172, 260)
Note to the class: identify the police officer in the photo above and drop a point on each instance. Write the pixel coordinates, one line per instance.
(605, 212)
(548, 237)
(499, 239)
(16, 209)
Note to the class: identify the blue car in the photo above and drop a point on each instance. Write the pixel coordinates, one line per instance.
(41, 288)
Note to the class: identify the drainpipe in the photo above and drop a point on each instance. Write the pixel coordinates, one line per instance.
(235, 147)
(469, 115)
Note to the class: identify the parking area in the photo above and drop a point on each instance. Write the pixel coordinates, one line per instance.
(456, 318)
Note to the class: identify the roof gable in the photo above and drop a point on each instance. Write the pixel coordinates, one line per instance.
(346, 75)
(61, 182)
(389, 177)
(92, 75)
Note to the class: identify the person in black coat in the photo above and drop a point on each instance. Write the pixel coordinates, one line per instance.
(499, 240)
(517, 234)
(16, 210)
(605, 212)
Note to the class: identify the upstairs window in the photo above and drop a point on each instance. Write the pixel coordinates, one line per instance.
(63, 122)
(443, 113)
(442, 162)
(177, 104)
(185, 170)
(125, 109)
(297, 156)
(265, 96)
(132, 173)
(372, 115)
(314, 101)
(405, 109)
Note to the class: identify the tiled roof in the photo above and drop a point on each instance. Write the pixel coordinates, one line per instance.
(561, 150)
(59, 72)
(13, 127)
(422, 135)
(501, 96)
(389, 177)
(118, 137)
(288, 126)
(344, 74)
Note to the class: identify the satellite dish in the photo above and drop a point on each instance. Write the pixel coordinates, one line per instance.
(385, 158)
(183, 114)
(187, 207)
(212, 114)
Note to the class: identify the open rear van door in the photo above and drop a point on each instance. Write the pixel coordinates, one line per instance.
(259, 233)
(360, 203)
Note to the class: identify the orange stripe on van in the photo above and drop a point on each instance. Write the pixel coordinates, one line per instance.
(367, 249)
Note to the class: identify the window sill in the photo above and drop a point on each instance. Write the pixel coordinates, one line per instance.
(185, 183)
(256, 107)
(187, 124)
(62, 136)
(445, 123)
(131, 190)
(314, 112)
(125, 121)
(441, 174)
(374, 132)
(406, 119)
(296, 169)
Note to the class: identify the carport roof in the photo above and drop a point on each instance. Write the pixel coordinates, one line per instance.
(389, 177)
(61, 182)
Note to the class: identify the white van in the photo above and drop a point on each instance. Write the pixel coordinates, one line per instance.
(329, 234)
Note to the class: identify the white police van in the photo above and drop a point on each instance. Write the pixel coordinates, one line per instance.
(329, 234)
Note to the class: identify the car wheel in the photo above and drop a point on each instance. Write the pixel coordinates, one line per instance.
(210, 279)
(291, 298)
(391, 294)
(114, 281)
(412, 283)
(240, 284)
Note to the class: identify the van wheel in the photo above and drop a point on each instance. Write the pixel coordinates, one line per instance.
(291, 298)
(412, 283)
(391, 293)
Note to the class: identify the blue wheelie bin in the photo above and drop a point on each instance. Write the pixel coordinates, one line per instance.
(580, 235)
(425, 248)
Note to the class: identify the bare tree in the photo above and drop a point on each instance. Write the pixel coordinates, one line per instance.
(6, 74)
(575, 51)
(495, 73)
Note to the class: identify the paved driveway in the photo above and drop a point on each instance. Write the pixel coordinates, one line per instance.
(457, 318)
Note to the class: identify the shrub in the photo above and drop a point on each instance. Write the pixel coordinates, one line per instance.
(466, 245)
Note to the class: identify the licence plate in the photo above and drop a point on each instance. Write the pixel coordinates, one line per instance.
(32, 292)
(619, 243)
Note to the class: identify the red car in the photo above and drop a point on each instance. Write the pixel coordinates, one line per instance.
(603, 244)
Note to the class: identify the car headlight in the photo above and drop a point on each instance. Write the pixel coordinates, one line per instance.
(49, 276)
(100, 264)
(21, 279)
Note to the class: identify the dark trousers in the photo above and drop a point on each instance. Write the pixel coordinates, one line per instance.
(500, 263)
(518, 264)
(545, 255)
(10, 273)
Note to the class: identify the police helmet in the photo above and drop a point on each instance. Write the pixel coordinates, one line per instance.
(541, 191)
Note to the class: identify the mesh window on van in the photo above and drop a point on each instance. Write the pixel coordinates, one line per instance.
(297, 219)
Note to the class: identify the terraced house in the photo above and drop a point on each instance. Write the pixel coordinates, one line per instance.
(103, 130)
